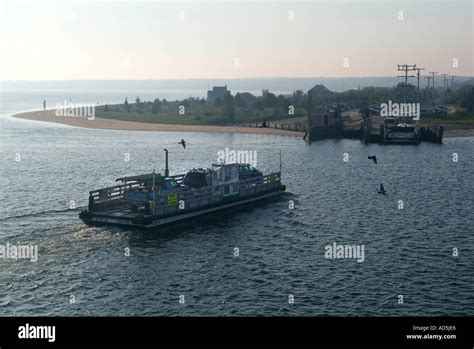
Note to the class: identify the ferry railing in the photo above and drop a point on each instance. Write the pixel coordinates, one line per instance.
(117, 191)
(267, 179)
(168, 201)
(111, 193)
(203, 196)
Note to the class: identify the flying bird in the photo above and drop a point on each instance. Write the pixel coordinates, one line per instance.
(183, 143)
(382, 190)
(373, 158)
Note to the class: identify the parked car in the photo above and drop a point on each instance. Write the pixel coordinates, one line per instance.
(439, 111)
(198, 178)
(171, 184)
(443, 110)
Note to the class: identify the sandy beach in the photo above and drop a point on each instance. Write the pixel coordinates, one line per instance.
(111, 124)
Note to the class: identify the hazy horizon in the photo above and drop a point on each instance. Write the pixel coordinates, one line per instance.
(230, 78)
(198, 87)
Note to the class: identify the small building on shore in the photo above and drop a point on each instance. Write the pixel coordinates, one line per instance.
(322, 122)
(217, 92)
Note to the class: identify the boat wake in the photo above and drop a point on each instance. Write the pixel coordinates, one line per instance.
(41, 213)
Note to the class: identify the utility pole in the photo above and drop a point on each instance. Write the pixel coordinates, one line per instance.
(406, 68)
(432, 76)
(427, 88)
(428, 85)
(418, 85)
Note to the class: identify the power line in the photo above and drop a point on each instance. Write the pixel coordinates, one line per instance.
(429, 78)
(406, 68)
(432, 77)
(445, 85)
(418, 84)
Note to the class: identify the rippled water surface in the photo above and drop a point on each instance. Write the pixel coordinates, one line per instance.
(408, 251)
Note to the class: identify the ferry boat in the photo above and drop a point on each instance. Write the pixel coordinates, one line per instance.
(151, 200)
(400, 132)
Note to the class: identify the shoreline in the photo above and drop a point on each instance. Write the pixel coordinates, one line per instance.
(111, 124)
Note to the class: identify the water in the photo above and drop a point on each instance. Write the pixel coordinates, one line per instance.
(408, 252)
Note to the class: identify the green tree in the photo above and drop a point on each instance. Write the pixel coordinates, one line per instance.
(463, 97)
(126, 105)
(258, 104)
(229, 106)
(398, 94)
(156, 107)
(298, 98)
(239, 101)
(282, 105)
(137, 101)
(467, 99)
(269, 99)
(247, 98)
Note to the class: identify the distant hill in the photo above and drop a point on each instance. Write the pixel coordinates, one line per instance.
(321, 90)
(467, 82)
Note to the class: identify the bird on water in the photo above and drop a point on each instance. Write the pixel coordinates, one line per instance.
(374, 158)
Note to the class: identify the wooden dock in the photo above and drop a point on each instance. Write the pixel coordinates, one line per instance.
(370, 129)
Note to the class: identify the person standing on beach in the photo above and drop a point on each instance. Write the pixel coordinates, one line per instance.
(44, 105)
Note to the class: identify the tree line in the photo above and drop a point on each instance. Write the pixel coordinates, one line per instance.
(281, 105)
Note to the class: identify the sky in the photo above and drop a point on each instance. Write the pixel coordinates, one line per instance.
(73, 39)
